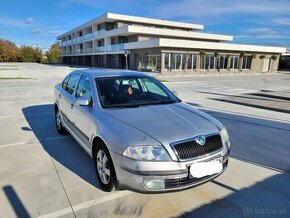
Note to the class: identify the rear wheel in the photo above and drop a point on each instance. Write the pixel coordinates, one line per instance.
(104, 168)
(58, 123)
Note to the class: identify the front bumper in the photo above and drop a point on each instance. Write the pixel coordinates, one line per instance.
(175, 175)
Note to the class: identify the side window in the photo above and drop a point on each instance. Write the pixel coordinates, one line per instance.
(72, 82)
(84, 88)
(64, 82)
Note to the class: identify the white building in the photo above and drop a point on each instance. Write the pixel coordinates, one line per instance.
(162, 46)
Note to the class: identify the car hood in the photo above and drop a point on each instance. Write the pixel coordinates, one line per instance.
(167, 123)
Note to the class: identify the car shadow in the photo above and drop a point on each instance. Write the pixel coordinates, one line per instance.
(266, 198)
(62, 148)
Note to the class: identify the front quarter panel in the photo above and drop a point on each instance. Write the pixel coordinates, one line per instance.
(118, 135)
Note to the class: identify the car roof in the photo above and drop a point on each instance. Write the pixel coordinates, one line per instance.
(97, 73)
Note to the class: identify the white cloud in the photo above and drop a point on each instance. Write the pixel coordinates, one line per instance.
(37, 31)
(53, 32)
(282, 21)
(262, 31)
(12, 22)
(205, 10)
(28, 20)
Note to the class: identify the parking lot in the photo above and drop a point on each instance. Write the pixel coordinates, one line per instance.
(43, 174)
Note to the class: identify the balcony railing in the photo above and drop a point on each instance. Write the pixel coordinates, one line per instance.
(68, 42)
(117, 47)
(80, 38)
(88, 50)
(79, 51)
(100, 49)
(99, 33)
(88, 36)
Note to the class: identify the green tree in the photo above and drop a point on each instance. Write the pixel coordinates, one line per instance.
(54, 54)
(38, 55)
(27, 54)
(9, 52)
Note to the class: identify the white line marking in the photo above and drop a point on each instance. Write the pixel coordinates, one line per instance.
(33, 141)
(20, 143)
(86, 204)
(224, 88)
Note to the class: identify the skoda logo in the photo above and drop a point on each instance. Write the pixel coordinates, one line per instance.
(200, 140)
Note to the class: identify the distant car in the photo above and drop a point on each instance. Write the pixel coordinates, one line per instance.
(140, 135)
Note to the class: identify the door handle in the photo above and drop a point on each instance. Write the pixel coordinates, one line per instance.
(71, 105)
(59, 95)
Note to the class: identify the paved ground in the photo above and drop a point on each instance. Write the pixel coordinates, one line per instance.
(43, 174)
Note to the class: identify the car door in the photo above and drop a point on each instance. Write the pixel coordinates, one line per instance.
(68, 98)
(82, 115)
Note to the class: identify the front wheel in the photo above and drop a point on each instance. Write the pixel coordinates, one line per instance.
(58, 122)
(104, 168)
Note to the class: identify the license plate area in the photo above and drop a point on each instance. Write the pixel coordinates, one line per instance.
(205, 168)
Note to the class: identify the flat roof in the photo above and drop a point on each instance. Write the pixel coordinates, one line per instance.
(177, 43)
(110, 17)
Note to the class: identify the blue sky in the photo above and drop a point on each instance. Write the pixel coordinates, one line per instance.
(36, 22)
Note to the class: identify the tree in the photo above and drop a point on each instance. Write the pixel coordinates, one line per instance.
(274, 57)
(9, 52)
(38, 55)
(202, 55)
(27, 54)
(54, 54)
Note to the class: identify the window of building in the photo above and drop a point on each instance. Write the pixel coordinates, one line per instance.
(167, 61)
(222, 62)
(194, 61)
(176, 61)
(209, 62)
(235, 62)
(247, 61)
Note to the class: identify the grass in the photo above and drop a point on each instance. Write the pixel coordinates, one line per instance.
(14, 78)
(163, 80)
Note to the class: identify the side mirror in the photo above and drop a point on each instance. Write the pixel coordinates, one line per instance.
(82, 101)
(175, 93)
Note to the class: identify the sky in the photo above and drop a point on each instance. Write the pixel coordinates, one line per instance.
(39, 22)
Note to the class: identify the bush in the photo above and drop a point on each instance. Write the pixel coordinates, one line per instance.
(27, 54)
(8, 51)
(54, 54)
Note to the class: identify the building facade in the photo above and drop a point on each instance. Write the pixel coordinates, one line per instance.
(146, 44)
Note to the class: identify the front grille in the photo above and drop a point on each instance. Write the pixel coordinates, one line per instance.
(191, 149)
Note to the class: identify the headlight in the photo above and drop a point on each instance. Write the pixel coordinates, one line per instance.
(155, 152)
(225, 138)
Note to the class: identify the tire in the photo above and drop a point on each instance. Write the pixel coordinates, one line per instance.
(105, 168)
(58, 123)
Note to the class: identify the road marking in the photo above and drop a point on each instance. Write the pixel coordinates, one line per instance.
(34, 141)
(224, 88)
(19, 143)
(84, 205)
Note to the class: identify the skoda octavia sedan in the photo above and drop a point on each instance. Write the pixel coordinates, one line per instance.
(140, 135)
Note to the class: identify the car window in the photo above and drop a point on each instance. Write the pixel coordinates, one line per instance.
(84, 88)
(153, 87)
(64, 82)
(132, 91)
(72, 82)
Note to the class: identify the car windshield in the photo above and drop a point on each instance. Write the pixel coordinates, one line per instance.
(133, 91)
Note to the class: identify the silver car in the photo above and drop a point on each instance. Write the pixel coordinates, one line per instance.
(140, 135)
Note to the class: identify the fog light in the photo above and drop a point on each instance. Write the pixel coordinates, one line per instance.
(154, 184)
